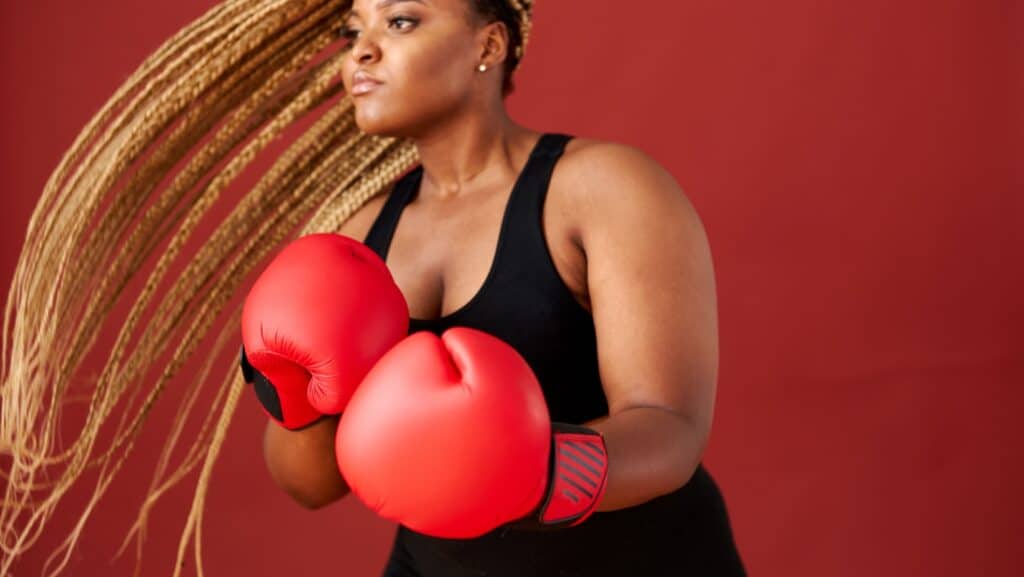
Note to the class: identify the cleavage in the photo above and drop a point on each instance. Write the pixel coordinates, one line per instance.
(440, 257)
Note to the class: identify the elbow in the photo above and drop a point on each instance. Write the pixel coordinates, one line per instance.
(302, 464)
(693, 435)
(311, 494)
(313, 502)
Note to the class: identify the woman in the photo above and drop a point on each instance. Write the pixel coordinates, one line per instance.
(585, 256)
(581, 254)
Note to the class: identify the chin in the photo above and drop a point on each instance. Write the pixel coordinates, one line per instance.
(378, 124)
(391, 115)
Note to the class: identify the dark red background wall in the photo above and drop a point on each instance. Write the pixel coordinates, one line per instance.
(860, 170)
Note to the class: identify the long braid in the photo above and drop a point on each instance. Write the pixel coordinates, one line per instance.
(144, 173)
(524, 14)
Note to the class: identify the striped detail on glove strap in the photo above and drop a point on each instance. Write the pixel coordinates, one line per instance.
(578, 477)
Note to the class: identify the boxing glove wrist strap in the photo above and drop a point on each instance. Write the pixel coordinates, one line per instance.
(578, 475)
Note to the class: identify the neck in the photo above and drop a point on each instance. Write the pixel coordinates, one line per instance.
(470, 153)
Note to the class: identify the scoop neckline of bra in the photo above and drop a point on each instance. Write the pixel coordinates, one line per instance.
(502, 234)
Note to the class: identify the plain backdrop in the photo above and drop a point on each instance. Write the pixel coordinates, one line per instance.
(859, 167)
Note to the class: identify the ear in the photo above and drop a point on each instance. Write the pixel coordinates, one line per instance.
(493, 40)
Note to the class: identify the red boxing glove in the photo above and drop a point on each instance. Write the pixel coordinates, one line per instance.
(315, 321)
(451, 437)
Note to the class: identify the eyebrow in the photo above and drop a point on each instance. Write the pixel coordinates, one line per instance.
(384, 4)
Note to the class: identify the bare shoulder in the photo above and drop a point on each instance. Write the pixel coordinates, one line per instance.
(591, 153)
(605, 179)
(358, 225)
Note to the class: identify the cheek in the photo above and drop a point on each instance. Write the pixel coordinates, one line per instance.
(435, 71)
(425, 80)
(347, 69)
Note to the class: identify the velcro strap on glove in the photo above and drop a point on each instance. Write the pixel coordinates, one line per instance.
(578, 476)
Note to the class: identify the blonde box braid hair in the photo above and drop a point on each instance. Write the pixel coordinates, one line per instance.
(524, 12)
(142, 174)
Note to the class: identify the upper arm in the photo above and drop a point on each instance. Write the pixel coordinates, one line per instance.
(651, 285)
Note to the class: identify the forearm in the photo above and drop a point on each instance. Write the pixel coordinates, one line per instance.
(651, 452)
(302, 462)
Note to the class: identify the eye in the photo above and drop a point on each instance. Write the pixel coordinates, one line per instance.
(350, 34)
(346, 33)
(412, 21)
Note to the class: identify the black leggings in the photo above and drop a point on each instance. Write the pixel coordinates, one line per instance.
(687, 532)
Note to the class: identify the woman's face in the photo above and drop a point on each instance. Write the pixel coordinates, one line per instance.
(423, 53)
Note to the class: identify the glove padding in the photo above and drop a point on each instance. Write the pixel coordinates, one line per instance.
(451, 437)
(314, 322)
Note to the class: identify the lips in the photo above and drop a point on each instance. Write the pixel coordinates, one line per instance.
(364, 87)
(362, 83)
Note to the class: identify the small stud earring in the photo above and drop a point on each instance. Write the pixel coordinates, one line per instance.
(482, 68)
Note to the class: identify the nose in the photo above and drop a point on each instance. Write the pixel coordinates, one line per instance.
(365, 48)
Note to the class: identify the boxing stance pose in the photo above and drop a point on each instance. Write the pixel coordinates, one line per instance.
(537, 336)
(562, 357)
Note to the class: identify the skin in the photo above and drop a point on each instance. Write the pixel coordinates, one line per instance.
(658, 356)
